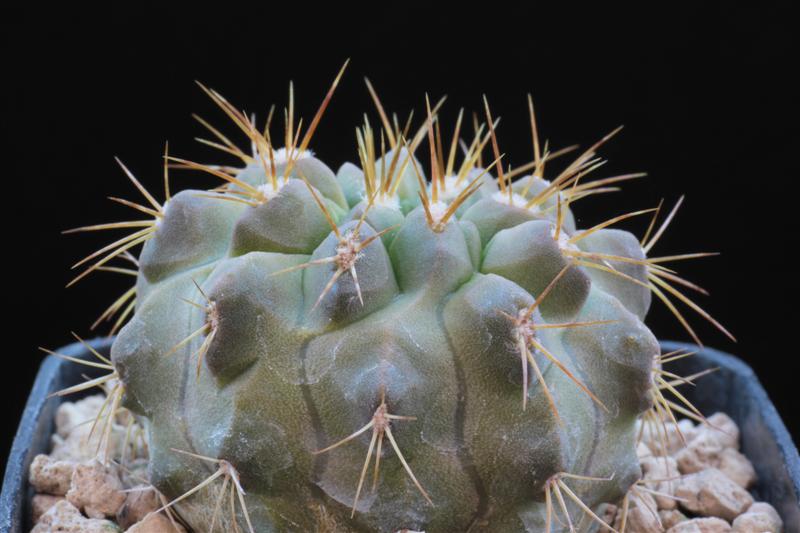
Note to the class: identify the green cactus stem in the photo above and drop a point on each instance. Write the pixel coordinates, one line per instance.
(375, 349)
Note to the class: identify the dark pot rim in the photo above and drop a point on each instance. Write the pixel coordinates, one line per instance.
(36, 427)
(733, 389)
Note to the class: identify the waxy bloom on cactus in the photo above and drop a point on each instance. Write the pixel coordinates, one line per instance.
(395, 345)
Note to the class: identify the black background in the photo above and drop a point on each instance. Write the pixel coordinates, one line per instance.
(706, 94)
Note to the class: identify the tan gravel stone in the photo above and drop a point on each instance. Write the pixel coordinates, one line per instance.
(50, 476)
(754, 523)
(707, 451)
(156, 523)
(96, 490)
(764, 507)
(737, 467)
(642, 451)
(707, 475)
(609, 513)
(665, 469)
(701, 525)
(141, 501)
(725, 429)
(667, 433)
(760, 517)
(671, 517)
(642, 515)
(711, 493)
(42, 503)
(135, 473)
(702, 452)
(63, 517)
(688, 428)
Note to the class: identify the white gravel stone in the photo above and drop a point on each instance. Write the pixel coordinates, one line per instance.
(70, 415)
(75, 438)
(83, 445)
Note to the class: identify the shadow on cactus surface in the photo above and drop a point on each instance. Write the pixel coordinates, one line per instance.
(422, 340)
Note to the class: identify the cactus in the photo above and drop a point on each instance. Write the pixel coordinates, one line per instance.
(374, 350)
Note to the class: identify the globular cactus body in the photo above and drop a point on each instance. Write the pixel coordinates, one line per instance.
(442, 355)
